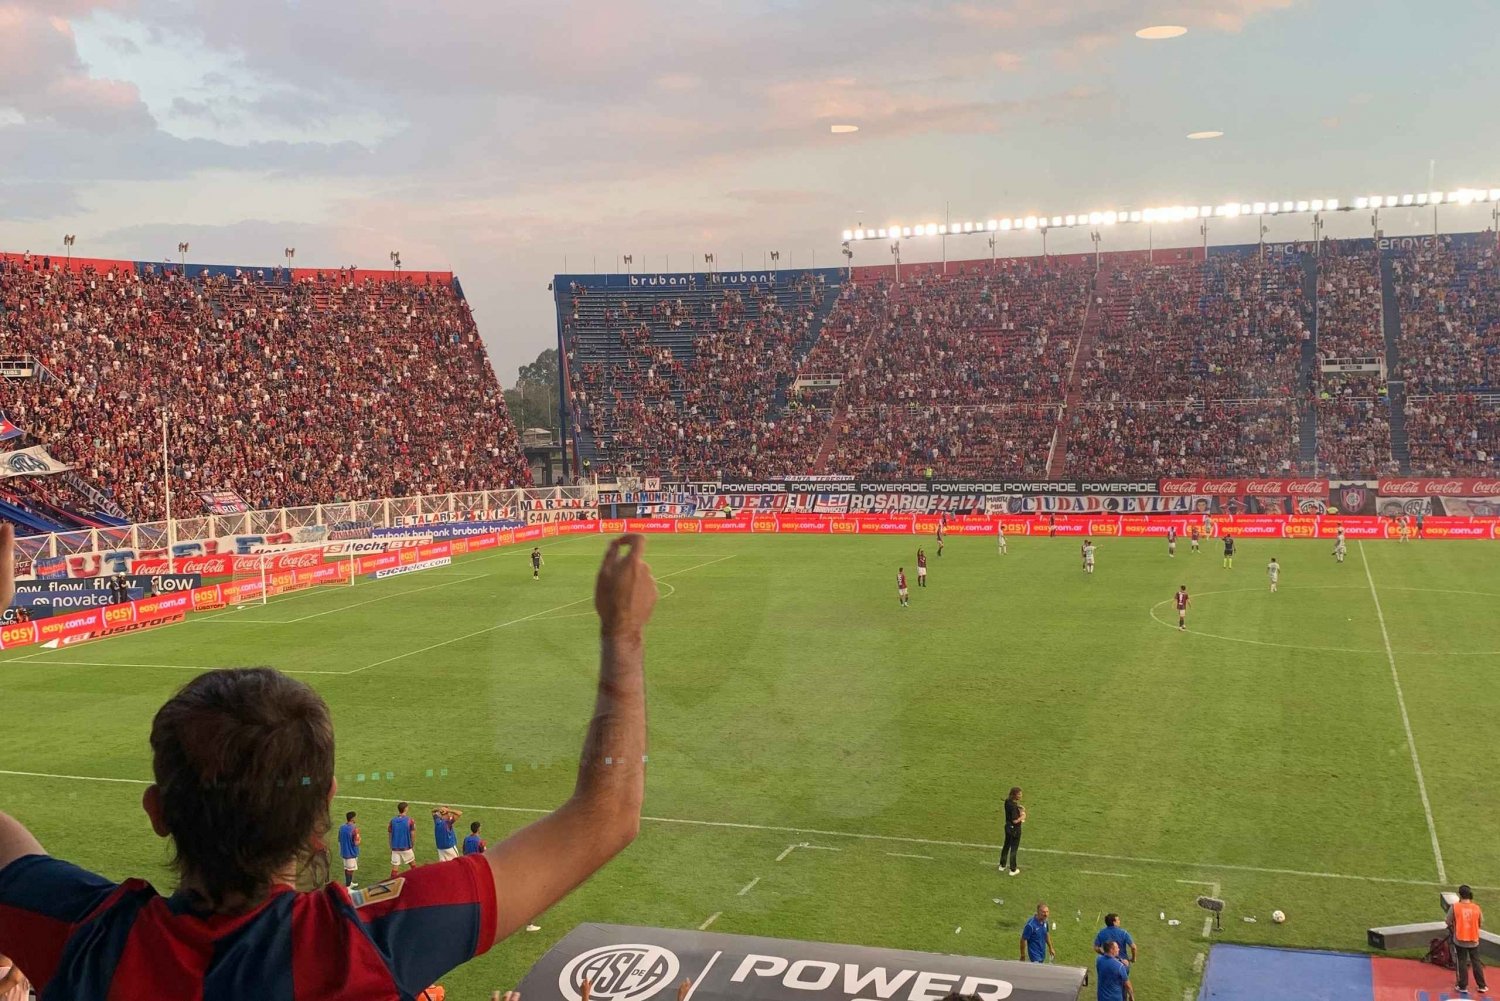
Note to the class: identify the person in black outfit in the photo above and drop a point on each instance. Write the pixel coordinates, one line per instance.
(1015, 816)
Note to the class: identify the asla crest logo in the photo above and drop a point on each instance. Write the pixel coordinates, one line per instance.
(619, 972)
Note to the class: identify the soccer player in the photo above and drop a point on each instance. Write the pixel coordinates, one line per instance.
(1088, 555)
(536, 563)
(942, 520)
(349, 849)
(1182, 605)
(402, 830)
(1208, 524)
(1339, 548)
(1273, 571)
(1171, 541)
(1000, 537)
(921, 568)
(473, 844)
(1228, 552)
(442, 832)
(901, 586)
(1015, 818)
(1193, 539)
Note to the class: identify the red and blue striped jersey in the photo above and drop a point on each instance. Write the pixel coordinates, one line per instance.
(77, 935)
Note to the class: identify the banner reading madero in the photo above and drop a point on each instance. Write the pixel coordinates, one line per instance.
(626, 963)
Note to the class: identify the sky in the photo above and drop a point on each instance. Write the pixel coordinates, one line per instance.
(509, 141)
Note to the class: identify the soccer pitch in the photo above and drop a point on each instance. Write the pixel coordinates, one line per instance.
(827, 765)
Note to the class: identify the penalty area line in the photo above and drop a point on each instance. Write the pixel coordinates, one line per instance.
(852, 835)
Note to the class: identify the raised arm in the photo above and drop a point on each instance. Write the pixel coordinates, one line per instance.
(538, 865)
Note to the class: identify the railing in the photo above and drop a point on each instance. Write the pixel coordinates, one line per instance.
(534, 505)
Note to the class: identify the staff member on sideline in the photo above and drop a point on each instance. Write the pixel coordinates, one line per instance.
(1112, 932)
(1015, 816)
(1464, 921)
(1036, 939)
(1112, 975)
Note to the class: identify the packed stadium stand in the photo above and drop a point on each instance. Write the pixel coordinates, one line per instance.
(289, 387)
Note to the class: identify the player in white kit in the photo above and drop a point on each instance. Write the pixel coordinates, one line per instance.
(1000, 537)
(1273, 571)
(1088, 556)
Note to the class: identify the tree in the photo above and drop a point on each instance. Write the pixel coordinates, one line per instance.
(533, 401)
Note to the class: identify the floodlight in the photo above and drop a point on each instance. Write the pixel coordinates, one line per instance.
(1495, 194)
(1465, 196)
(1421, 198)
(1191, 211)
(1111, 217)
(1095, 217)
(1302, 206)
(1005, 225)
(1149, 215)
(1259, 208)
(1435, 197)
(1317, 205)
(1407, 199)
(1031, 222)
(1390, 201)
(1135, 217)
(1361, 202)
(848, 234)
(1205, 210)
(1244, 208)
(1071, 220)
(932, 229)
(1331, 204)
(991, 225)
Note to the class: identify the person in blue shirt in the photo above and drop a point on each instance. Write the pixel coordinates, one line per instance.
(1112, 932)
(1036, 939)
(403, 831)
(473, 844)
(443, 819)
(1112, 975)
(349, 848)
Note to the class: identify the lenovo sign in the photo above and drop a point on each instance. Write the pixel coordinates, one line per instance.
(646, 964)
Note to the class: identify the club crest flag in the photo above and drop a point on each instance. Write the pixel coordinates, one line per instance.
(33, 461)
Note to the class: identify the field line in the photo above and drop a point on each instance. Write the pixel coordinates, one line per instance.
(513, 622)
(711, 919)
(163, 667)
(1411, 743)
(853, 835)
(694, 988)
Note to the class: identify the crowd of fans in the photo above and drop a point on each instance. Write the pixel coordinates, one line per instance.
(905, 440)
(1229, 328)
(1449, 296)
(1349, 313)
(1354, 427)
(1136, 440)
(692, 386)
(289, 393)
(1454, 436)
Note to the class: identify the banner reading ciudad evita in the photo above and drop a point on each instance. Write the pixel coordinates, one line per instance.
(625, 963)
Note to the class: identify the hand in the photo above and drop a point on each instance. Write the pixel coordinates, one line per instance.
(624, 593)
(13, 985)
(683, 988)
(588, 985)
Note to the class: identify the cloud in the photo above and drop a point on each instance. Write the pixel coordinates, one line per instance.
(30, 201)
(43, 78)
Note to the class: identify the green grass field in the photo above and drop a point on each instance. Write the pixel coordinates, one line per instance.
(1262, 756)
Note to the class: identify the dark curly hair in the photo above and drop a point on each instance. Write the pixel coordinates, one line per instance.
(243, 760)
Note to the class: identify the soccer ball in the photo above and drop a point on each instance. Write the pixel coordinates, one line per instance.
(1278, 916)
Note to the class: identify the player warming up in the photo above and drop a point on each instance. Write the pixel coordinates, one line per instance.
(921, 568)
(403, 830)
(1182, 604)
(1171, 541)
(1273, 571)
(942, 521)
(1228, 552)
(1088, 555)
(1000, 538)
(1193, 539)
(901, 591)
(536, 563)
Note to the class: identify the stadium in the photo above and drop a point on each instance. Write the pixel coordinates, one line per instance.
(943, 606)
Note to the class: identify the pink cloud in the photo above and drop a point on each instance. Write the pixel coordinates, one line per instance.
(42, 76)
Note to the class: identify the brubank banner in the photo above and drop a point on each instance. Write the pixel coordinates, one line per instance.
(625, 963)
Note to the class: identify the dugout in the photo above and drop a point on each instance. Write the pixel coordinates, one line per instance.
(629, 963)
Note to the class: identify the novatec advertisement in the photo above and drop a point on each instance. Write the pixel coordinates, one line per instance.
(623, 963)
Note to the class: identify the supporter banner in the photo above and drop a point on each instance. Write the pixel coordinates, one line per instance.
(33, 461)
(1118, 504)
(8, 430)
(223, 502)
(1351, 498)
(943, 487)
(623, 963)
(343, 531)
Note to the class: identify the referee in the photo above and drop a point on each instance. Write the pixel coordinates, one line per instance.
(1015, 816)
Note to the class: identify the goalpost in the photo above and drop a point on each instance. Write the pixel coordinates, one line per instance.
(284, 569)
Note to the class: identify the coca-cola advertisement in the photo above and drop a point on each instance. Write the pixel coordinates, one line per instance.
(1457, 496)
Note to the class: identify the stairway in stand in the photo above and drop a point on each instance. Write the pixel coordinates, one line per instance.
(1307, 437)
(1395, 378)
(1093, 322)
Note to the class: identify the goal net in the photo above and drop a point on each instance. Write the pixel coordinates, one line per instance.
(274, 570)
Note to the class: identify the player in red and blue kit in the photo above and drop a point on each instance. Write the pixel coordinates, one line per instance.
(349, 848)
(473, 844)
(243, 762)
(403, 832)
(442, 832)
(901, 591)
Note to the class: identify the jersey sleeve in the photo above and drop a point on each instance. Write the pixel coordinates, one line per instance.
(42, 901)
(443, 917)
